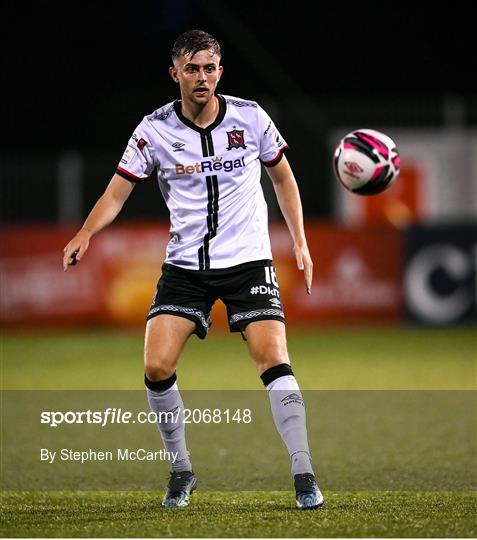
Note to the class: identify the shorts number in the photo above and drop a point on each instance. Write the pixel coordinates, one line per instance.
(271, 276)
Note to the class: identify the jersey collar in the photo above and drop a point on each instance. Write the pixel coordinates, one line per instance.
(208, 129)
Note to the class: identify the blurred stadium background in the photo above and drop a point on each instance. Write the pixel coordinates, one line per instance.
(394, 295)
(85, 79)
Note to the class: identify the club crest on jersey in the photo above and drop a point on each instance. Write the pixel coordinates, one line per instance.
(236, 139)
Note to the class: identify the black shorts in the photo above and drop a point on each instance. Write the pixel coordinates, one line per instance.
(250, 292)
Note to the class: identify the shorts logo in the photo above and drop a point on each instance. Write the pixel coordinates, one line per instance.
(264, 289)
(275, 302)
(236, 139)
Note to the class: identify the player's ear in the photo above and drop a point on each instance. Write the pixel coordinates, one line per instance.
(221, 69)
(173, 74)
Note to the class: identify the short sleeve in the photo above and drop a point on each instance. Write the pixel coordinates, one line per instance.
(272, 144)
(137, 162)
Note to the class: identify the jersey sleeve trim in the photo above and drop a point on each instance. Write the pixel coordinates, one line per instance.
(276, 160)
(129, 176)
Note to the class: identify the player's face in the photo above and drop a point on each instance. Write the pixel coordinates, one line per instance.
(197, 76)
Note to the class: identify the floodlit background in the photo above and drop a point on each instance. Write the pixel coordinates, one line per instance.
(82, 80)
(394, 293)
(391, 270)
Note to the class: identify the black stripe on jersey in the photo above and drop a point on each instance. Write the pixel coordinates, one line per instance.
(215, 207)
(207, 144)
(212, 221)
(208, 150)
(210, 143)
(205, 149)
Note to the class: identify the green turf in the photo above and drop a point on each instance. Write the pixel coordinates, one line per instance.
(239, 514)
(357, 358)
(411, 443)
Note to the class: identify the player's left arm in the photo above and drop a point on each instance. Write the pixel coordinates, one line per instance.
(289, 200)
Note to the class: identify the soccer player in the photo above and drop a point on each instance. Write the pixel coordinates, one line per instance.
(208, 150)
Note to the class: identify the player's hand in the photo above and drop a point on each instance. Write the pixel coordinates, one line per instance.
(304, 262)
(75, 249)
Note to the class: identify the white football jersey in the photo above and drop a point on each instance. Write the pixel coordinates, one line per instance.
(210, 180)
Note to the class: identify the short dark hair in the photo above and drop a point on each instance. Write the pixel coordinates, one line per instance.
(193, 41)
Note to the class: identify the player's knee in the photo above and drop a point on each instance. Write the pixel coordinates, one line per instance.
(269, 356)
(156, 372)
(159, 368)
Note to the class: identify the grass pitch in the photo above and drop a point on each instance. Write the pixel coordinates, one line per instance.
(379, 358)
(241, 514)
(331, 359)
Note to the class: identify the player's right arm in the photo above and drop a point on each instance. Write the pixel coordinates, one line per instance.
(103, 213)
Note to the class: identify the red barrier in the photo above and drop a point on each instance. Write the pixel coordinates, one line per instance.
(357, 276)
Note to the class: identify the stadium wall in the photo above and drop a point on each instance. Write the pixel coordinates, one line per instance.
(363, 274)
